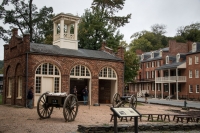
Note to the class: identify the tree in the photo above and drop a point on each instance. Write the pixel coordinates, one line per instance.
(100, 24)
(188, 33)
(27, 19)
(131, 66)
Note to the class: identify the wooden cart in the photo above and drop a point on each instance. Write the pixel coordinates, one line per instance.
(48, 101)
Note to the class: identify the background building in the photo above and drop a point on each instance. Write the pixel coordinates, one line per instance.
(171, 72)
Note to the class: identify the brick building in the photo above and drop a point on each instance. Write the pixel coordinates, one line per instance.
(171, 72)
(61, 66)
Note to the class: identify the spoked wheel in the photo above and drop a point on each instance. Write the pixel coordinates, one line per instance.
(116, 100)
(70, 107)
(43, 110)
(133, 102)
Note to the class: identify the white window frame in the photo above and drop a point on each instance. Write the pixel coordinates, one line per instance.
(167, 59)
(158, 85)
(160, 53)
(147, 74)
(19, 95)
(152, 54)
(196, 73)
(152, 64)
(9, 88)
(190, 73)
(152, 74)
(197, 88)
(158, 63)
(194, 47)
(190, 89)
(190, 60)
(153, 87)
(177, 57)
(196, 59)
(147, 64)
(142, 57)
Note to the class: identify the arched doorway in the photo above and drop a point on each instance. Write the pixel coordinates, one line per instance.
(80, 76)
(47, 78)
(107, 84)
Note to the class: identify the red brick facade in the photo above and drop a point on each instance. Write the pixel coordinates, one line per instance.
(20, 62)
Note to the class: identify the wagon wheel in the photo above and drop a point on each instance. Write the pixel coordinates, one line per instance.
(116, 100)
(133, 102)
(43, 110)
(70, 107)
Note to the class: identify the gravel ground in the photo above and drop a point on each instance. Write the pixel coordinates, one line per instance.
(23, 120)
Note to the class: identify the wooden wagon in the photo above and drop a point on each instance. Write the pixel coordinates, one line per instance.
(48, 101)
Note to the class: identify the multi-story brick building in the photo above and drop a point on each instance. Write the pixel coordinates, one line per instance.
(171, 72)
(61, 66)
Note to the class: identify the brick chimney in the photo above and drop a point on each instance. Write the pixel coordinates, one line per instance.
(14, 31)
(120, 52)
(26, 41)
(138, 52)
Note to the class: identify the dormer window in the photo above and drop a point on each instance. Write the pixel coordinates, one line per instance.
(160, 53)
(142, 57)
(152, 54)
(167, 59)
(194, 47)
(177, 57)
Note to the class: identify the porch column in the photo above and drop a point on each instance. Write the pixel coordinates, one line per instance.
(155, 83)
(169, 81)
(55, 25)
(176, 83)
(162, 90)
(62, 28)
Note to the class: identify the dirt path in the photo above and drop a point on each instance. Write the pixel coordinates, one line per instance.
(22, 120)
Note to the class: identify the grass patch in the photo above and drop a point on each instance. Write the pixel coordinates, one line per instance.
(0, 99)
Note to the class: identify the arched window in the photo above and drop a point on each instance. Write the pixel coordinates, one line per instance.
(194, 47)
(47, 70)
(167, 59)
(107, 73)
(152, 54)
(80, 71)
(177, 57)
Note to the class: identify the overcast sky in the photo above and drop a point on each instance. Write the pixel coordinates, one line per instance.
(145, 13)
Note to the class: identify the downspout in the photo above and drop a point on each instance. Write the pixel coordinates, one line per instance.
(26, 77)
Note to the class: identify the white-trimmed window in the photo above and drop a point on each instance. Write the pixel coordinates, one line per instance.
(153, 88)
(190, 60)
(167, 59)
(177, 57)
(166, 87)
(152, 54)
(107, 72)
(142, 57)
(197, 88)
(194, 47)
(160, 53)
(147, 64)
(190, 73)
(190, 89)
(158, 85)
(50, 71)
(19, 87)
(9, 88)
(196, 59)
(152, 74)
(196, 73)
(158, 63)
(135, 87)
(147, 75)
(153, 64)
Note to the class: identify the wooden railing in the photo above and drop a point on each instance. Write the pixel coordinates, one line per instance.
(170, 79)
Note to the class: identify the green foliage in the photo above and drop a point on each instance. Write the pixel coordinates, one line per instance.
(101, 24)
(149, 40)
(131, 66)
(188, 33)
(25, 16)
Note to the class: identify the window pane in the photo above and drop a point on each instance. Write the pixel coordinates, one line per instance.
(105, 72)
(44, 69)
(50, 69)
(77, 70)
(38, 71)
(82, 71)
(109, 72)
(56, 85)
(87, 72)
(56, 71)
(38, 85)
(72, 72)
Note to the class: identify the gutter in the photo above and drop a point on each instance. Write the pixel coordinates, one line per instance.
(26, 77)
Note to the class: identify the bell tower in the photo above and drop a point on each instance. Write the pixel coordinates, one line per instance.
(65, 31)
